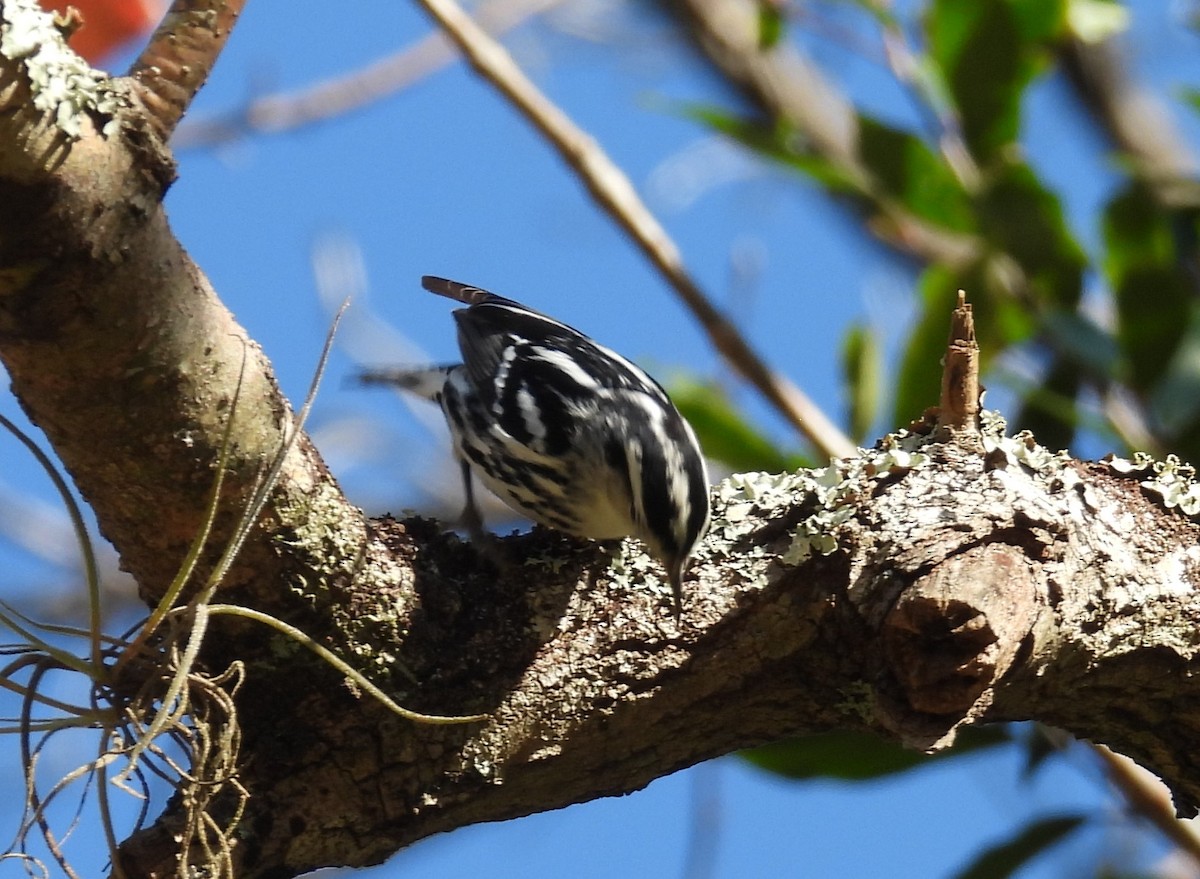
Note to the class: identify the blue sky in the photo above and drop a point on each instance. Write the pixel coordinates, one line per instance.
(443, 178)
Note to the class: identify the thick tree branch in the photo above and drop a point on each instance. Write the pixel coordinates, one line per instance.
(958, 587)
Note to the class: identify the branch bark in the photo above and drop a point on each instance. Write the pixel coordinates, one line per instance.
(176, 62)
(911, 590)
(1060, 591)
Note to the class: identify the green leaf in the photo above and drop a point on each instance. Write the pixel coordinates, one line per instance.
(913, 174)
(1021, 218)
(777, 141)
(1041, 21)
(987, 52)
(1003, 860)
(724, 433)
(1175, 401)
(1080, 338)
(770, 24)
(854, 756)
(1049, 409)
(1153, 308)
(862, 368)
(1155, 294)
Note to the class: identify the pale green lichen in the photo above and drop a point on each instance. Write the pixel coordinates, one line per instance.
(1022, 449)
(630, 567)
(1171, 479)
(992, 424)
(1141, 461)
(63, 86)
(1175, 482)
(744, 500)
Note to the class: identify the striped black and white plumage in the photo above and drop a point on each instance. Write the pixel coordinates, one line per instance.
(564, 430)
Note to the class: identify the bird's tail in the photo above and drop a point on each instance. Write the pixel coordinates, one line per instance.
(424, 381)
(456, 290)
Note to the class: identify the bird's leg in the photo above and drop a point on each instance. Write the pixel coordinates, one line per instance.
(470, 517)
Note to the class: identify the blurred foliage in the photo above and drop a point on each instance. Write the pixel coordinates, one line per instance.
(1073, 335)
(986, 53)
(908, 171)
(1005, 859)
(862, 369)
(964, 206)
(851, 756)
(725, 434)
(770, 23)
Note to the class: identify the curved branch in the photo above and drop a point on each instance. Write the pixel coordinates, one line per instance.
(1008, 598)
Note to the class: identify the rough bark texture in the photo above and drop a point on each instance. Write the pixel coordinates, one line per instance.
(909, 591)
(964, 589)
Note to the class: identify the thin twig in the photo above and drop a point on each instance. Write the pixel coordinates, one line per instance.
(1149, 798)
(958, 411)
(1133, 118)
(177, 60)
(784, 86)
(614, 192)
(277, 113)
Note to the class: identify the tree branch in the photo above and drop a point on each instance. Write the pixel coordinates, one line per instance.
(274, 114)
(614, 192)
(176, 62)
(783, 85)
(1007, 598)
(1132, 118)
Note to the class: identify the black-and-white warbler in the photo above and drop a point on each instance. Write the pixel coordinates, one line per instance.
(563, 430)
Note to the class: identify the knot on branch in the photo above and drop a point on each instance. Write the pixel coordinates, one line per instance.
(957, 630)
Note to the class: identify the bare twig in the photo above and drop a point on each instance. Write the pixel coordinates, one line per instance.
(959, 407)
(1150, 798)
(783, 85)
(614, 192)
(1135, 120)
(177, 60)
(277, 113)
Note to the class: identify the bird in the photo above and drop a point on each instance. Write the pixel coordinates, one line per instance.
(564, 430)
